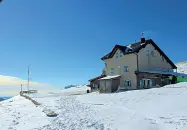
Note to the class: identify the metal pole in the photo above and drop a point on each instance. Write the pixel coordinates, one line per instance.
(21, 88)
(28, 78)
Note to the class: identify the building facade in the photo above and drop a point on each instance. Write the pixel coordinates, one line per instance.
(139, 65)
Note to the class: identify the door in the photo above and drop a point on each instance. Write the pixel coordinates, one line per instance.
(127, 84)
(144, 83)
(147, 83)
(108, 86)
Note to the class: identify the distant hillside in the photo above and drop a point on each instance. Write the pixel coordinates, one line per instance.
(1, 99)
(182, 67)
(4, 98)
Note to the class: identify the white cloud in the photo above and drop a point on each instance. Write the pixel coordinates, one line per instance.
(11, 85)
(16, 82)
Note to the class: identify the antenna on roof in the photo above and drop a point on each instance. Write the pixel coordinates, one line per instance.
(148, 34)
(142, 38)
(142, 35)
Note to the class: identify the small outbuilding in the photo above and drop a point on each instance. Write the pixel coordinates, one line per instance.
(94, 83)
(109, 84)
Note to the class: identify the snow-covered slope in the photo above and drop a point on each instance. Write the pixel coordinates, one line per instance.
(182, 67)
(154, 109)
(151, 109)
(19, 113)
(76, 90)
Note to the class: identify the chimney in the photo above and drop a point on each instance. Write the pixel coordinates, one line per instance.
(142, 38)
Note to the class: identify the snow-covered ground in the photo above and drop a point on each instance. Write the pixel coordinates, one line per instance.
(151, 109)
(18, 113)
(182, 67)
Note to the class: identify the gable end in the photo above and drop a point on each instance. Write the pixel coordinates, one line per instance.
(159, 50)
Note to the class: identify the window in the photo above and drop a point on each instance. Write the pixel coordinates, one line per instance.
(152, 53)
(162, 58)
(162, 69)
(95, 85)
(116, 54)
(126, 69)
(165, 70)
(170, 70)
(127, 83)
(127, 50)
(112, 70)
(120, 54)
(119, 69)
(148, 52)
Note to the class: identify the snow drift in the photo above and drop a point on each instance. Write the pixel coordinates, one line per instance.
(76, 90)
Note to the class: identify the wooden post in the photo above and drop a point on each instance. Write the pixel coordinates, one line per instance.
(21, 88)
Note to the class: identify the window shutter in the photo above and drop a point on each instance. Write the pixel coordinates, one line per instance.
(116, 54)
(120, 54)
(148, 52)
(140, 83)
(151, 83)
(125, 83)
(112, 70)
(152, 53)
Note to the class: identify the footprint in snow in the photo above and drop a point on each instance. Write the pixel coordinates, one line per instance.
(164, 117)
(10, 128)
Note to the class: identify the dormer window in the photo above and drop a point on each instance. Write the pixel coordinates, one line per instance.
(120, 54)
(116, 54)
(127, 50)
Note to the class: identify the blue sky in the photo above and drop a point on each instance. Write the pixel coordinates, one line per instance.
(63, 40)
